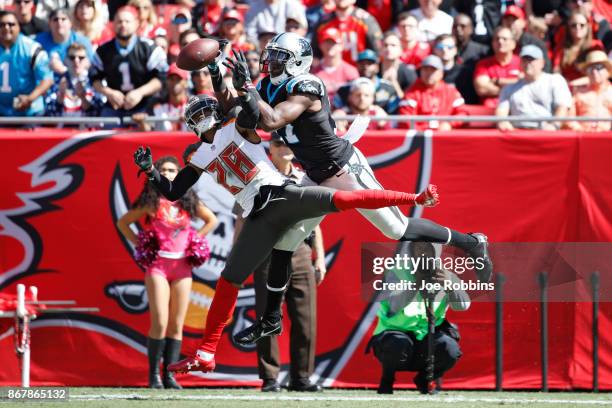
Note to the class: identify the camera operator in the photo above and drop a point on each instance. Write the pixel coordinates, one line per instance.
(400, 340)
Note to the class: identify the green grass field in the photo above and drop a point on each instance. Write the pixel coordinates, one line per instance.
(232, 397)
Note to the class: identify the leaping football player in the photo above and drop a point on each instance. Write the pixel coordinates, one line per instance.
(295, 104)
(272, 204)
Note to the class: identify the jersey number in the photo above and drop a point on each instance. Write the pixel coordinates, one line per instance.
(126, 80)
(5, 86)
(234, 160)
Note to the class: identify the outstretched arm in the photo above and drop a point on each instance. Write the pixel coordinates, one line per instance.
(172, 190)
(285, 112)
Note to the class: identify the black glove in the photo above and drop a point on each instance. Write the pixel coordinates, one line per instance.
(241, 77)
(143, 159)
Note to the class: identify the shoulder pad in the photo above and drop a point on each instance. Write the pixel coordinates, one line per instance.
(306, 84)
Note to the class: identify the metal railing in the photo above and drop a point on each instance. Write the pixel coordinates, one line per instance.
(84, 122)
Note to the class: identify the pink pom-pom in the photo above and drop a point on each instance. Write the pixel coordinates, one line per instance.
(147, 248)
(197, 252)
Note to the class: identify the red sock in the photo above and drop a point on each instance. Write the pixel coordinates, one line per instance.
(221, 310)
(371, 199)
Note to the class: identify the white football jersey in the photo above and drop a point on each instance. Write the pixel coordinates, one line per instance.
(238, 165)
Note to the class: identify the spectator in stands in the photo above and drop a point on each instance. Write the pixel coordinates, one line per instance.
(595, 99)
(162, 42)
(537, 94)
(469, 51)
(72, 93)
(252, 58)
(202, 83)
(430, 95)
(514, 19)
(88, 20)
(45, 7)
(129, 69)
(296, 23)
(577, 42)
(413, 50)
(232, 29)
(263, 38)
(315, 13)
(188, 36)
(61, 36)
(300, 297)
(485, 16)
(207, 15)
(400, 75)
(172, 105)
(384, 11)
(179, 23)
(385, 94)
(431, 20)
(168, 278)
(401, 335)
(499, 70)
(25, 70)
(333, 70)
(455, 73)
(270, 16)
(359, 30)
(361, 102)
(537, 27)
(30, 24)
(148, 25)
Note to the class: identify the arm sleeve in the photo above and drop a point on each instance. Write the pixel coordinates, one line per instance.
(41, 67)
(96, 72)
(173, 190)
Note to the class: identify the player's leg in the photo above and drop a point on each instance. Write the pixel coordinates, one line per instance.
(254, 243)
(180, 290)
(393, 224)
(158, 293)
(291, 204)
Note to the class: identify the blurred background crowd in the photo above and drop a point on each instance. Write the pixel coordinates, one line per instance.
(115, 58)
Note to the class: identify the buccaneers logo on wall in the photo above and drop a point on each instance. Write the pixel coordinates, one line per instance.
(57, 225)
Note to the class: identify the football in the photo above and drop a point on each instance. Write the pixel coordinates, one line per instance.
(197, 54)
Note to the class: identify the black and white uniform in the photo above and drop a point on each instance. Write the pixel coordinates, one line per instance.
(126, 69)
(328, 159)
(272, 205)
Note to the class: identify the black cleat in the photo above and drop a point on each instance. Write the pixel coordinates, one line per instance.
(481, 250)
(261, 328)
(304, 386)
(270, 386)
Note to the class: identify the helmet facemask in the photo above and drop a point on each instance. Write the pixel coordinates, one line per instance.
(202, 114)
(286, 55)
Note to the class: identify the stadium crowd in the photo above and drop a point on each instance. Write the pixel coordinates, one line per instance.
(116, 58)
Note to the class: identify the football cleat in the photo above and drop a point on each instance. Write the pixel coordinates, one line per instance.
(261, 328)
(193, 363)
(481, 250)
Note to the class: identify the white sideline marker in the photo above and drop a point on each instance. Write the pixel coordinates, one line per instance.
(423, 398)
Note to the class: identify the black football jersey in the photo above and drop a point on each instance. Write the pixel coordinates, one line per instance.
(312, 136)
(129, 68)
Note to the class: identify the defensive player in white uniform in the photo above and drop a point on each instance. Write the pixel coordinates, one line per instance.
(272, 205)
